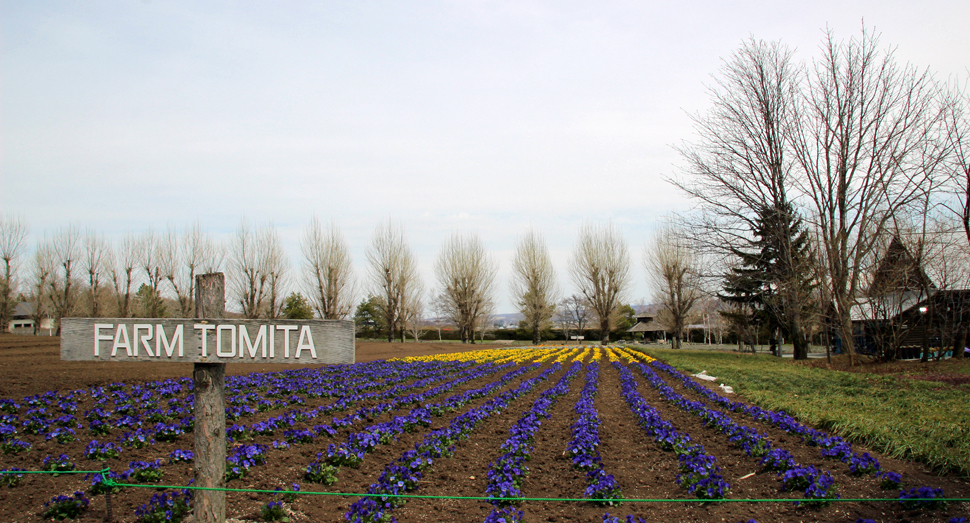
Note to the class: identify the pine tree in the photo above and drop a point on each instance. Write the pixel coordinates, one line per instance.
(774, 279)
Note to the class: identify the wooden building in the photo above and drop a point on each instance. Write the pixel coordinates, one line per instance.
(904, 312)
(648, 328)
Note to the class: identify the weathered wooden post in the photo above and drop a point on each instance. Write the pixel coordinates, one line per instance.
(210, 409)
(208, 341)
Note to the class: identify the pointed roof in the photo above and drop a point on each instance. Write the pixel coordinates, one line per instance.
(898, 271)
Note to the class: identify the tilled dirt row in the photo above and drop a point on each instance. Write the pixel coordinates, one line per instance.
(735, 465)
(283, 467)
(641, 468)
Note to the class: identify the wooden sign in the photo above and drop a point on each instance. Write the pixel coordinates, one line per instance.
(208, 340)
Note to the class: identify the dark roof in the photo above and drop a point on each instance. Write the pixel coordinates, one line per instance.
(898, 271)
(23, 310)
(646, 324)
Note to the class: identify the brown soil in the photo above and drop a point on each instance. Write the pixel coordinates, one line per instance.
(31, 365)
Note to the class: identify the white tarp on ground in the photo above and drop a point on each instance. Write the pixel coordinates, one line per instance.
(707, 377)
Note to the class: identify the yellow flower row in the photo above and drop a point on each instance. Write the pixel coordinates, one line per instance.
(543, 353)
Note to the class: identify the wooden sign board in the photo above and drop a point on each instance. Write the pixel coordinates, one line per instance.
(302, 342)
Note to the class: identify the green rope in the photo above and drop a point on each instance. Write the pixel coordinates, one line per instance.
(55, 472)
(108, 482)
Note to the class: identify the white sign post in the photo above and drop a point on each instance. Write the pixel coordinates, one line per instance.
(209, 342)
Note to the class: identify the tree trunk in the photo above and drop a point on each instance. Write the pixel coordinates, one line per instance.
(959, 342)
(799, 343)
(605, 332)
(535, 335)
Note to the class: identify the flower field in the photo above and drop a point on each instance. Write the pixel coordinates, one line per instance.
(520, 434)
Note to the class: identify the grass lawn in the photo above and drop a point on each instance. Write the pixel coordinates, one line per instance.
(892, 412)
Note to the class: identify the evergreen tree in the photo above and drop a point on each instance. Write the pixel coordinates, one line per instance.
(296, 307)
(774, 280)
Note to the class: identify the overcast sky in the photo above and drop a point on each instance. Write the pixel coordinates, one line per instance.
(472, 116)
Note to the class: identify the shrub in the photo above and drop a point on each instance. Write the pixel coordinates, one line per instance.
(66, 507)
(61, 463)
(165, 508)
(273, 511)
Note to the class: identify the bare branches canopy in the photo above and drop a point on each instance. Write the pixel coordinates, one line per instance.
(327, 270)
(600, 270)
(466, 274)
(673, 268)
(394, 275)
(533, 286)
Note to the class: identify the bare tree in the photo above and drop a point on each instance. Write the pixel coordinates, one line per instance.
(151, 258)
(66, 250)
(247, 277)
(328, 272)
(741, 173)
(865, 143)
(563, 319)
(185, 256)
(485, 320)
(741, 163)
(673, 268)
(949, 269)
(44, 269)
(956, 117)
(13, 239)
(575, 311)
(394, 274)
(600, 269)
(466, 274)
(97, 255)
(533, 283)
(276, 266)
(437, 301)
(413, 314)
(123, 273)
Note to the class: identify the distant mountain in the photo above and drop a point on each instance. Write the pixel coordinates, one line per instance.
(508, 319)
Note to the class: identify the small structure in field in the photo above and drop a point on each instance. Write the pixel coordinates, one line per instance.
(648, 328)
(22, 321)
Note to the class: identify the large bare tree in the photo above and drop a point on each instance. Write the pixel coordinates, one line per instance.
(328, 272)
(866, 144)
(741, 173)
(533, 284)
(466, 274)
(66, 251)
(740, 164)
(258, 270)
(673, 268)
(123, 275)
(44, 269)
(276, 265)
(600, 270)
(151, 258)
(956, 117)
(97, 256)
(393, 273)
(247, 277)
(13, 239)
(184, 256)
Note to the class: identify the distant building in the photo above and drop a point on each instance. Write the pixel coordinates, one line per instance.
(648, 328)
(903, 310)
(22, 321)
